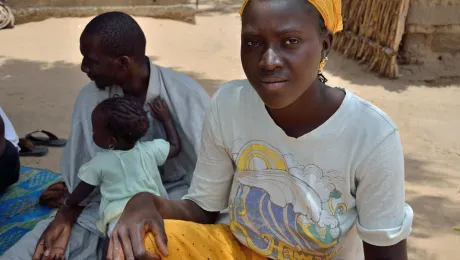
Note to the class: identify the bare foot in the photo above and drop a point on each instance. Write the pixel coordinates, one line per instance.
(54, 196)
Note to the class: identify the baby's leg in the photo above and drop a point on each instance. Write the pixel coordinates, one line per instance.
(106, 248)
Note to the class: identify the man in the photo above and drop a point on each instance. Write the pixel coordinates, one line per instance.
(113, 49)
(9, 153)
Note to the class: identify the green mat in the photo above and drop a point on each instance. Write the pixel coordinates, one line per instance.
(19, 208)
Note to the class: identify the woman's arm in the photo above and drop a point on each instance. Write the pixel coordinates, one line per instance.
(145, 213)
(384, 218)
(186, 210)
(394, 252)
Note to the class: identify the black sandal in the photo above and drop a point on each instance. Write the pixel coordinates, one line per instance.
(50, 139)
(29, 149)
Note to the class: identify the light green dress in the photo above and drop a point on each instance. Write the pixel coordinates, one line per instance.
(122, 174)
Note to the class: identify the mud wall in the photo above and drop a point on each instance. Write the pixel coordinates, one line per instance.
(64, 3)
(431, 44)
(37, 10)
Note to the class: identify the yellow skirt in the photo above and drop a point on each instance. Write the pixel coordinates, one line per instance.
(192, 241)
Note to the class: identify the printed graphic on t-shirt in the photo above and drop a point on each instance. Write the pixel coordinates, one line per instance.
(282, 209)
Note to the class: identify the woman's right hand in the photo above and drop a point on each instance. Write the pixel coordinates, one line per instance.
(53, 242)
(139, 217)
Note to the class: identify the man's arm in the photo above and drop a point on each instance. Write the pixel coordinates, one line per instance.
(53, 241)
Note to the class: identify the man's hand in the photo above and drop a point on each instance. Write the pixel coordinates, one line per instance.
(53, 242)
(160, 110)
(139, 217)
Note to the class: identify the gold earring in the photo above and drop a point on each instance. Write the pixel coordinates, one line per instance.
(322, 65)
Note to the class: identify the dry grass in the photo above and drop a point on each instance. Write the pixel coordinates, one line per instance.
(372, 33)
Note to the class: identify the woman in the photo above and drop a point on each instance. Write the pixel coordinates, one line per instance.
(307, 171)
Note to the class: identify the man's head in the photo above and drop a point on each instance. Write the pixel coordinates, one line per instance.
(111, 44)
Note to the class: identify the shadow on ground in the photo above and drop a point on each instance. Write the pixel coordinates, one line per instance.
(41, 95)
(434, 213)
(351, 71)
(210, 85)
(37, 89)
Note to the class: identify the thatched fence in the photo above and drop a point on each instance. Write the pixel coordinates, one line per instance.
(372, 33)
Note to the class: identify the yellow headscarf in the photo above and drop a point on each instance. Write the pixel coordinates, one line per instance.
(330, 10)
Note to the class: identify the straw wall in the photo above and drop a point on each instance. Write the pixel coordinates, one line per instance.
(372, 33)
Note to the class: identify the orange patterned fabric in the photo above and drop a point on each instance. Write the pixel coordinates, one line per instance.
(330, 10)
(192, 241)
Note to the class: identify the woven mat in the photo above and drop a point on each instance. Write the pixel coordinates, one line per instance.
(19, 208)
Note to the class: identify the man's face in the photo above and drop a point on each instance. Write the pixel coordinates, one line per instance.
(99, 66)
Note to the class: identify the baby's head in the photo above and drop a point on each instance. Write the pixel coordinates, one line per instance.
(118, 123)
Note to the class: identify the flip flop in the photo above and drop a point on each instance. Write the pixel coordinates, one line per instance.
(29, 149)
(50, 139)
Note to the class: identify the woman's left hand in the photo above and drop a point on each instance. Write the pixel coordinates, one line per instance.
(139, 217)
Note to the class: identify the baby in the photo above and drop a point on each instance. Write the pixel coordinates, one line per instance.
(129, 166)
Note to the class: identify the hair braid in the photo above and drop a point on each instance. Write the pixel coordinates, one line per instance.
(125, 118)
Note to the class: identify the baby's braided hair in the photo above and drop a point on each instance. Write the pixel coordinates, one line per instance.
(125, 118)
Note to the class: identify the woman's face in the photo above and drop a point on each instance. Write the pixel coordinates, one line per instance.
(281, 49)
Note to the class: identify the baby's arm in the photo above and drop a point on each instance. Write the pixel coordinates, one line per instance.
(81, 192)
(160, 111)
(173, 138)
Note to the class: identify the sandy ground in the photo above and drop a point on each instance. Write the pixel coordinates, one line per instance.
(40, 77)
